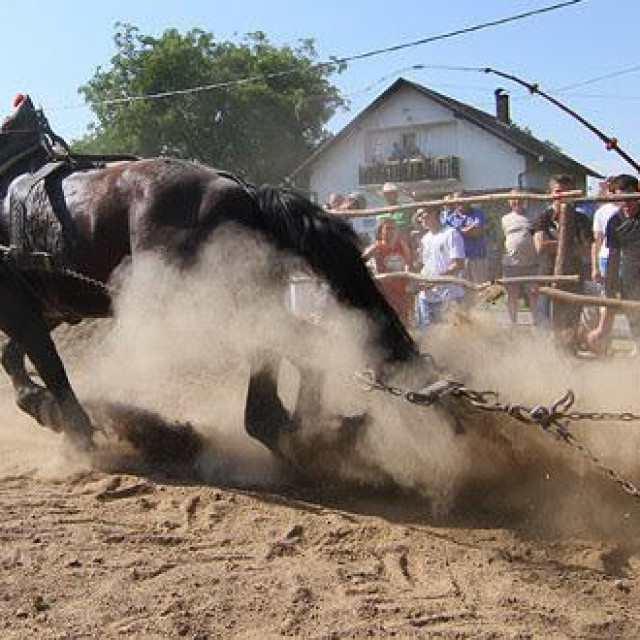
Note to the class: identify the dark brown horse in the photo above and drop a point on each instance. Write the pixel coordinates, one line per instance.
(104, 214)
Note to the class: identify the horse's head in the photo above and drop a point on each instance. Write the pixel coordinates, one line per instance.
(24, 131)
(23, 118)
(21, 128)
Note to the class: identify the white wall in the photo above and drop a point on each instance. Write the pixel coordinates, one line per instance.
(486, 161)
(337, 170)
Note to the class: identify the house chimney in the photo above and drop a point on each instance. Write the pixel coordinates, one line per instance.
(502, 106)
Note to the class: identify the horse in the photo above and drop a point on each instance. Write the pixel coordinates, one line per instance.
(109, 211)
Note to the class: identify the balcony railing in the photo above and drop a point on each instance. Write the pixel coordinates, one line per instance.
(412, 170)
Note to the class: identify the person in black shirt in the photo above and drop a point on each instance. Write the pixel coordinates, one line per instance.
(545, 231)
(623, 268)
(545, 240)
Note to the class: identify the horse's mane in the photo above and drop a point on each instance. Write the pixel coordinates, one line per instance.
(330, 246)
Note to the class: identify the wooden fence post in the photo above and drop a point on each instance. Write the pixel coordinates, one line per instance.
(565, 317)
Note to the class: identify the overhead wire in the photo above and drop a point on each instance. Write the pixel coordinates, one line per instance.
(334, 61)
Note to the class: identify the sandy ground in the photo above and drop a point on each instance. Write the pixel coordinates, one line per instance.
(500, 533)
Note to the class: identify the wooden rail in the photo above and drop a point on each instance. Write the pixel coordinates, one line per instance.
(589, 301)
(567, 196)
(467, 284)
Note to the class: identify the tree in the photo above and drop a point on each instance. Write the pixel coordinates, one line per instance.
(265, 114)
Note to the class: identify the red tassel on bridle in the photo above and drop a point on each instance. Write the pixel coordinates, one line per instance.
(18, 99)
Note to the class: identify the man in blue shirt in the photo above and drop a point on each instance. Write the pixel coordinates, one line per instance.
(471, 223)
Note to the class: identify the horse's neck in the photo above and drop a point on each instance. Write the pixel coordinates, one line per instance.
(26, 162)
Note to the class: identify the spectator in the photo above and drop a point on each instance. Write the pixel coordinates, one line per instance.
(412, 150)
(623, 266)
(402, 218)
(336, 202)
(442, 254)
(519, 257)
(545, 231)
(545, 239)
(396, 152)
(390, 254)
(355, 201)
(591, 316)
(599, 249)
(471, 223)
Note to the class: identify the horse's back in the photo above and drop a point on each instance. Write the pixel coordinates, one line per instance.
(175, 204)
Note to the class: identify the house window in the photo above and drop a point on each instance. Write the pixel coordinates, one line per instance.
(410, 145)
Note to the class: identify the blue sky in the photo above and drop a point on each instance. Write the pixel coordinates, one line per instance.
(52, 48)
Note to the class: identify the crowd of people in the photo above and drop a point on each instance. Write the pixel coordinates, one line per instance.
(451, 242)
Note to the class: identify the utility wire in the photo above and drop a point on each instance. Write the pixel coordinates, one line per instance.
(613, 74)
(338, 61)
(459, 32)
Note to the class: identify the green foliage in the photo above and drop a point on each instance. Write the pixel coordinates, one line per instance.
(528, 131)
(260, 129)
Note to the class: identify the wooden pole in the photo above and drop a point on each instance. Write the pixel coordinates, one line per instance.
(567, 196)
(416, 277)
(589, 301)
(564, 319)
(487, 197)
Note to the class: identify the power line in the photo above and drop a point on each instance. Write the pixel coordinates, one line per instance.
(459, 32)
(613, 74)
(338, 61)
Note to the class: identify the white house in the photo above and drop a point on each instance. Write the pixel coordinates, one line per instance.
(431, 144)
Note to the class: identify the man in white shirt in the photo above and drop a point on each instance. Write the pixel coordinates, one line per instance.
(442, 254)
(599, 249)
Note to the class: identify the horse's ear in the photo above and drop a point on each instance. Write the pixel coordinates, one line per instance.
(18, 99)
(23, 116)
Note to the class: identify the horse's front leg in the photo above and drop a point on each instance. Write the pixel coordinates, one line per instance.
(71, 416)
(22, 321)
(32, 398)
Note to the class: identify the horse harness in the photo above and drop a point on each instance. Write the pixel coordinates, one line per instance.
(41, 244)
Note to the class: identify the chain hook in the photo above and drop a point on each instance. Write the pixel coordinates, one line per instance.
(563, 403)
(541, 415)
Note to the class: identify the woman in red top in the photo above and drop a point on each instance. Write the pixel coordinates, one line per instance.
(390, 254)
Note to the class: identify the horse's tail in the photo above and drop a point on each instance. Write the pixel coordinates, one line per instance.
(330, 247)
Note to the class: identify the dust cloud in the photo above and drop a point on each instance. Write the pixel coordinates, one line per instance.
(567, 490)
(180, 346)
(181, 343)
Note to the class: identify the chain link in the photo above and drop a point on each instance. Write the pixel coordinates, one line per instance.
(554, 419)
(43, 262)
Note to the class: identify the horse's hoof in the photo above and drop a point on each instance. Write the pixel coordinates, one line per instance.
(80, 440)
(41, 405)
(355, 423)
(79, 430)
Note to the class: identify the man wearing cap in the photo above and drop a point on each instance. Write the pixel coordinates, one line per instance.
(442, 254)
(390, 194)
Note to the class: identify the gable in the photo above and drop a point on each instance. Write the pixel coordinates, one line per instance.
(409, 105)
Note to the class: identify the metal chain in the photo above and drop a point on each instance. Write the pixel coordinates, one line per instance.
(43, 262)
(554, 419)
(600, 416)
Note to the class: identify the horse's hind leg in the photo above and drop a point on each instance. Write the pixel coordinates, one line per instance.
(265, 416)
(310, 405)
